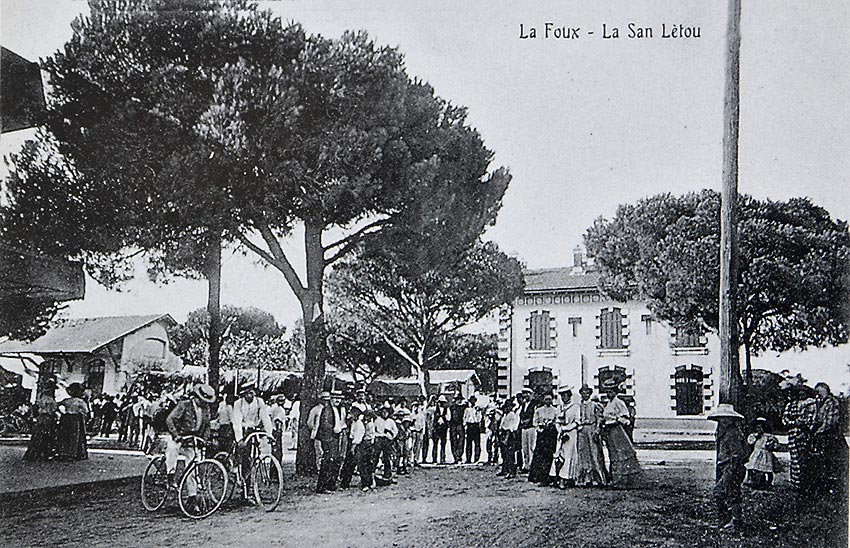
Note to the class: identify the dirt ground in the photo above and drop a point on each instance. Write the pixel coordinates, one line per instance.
(436, 507)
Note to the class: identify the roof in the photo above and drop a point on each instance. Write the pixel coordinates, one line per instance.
(401, 388)
(442, 376)
(554, 279)
(85, 335)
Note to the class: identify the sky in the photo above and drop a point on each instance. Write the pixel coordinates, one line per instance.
(583, 124)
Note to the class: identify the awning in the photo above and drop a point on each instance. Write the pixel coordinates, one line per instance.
(22, 102)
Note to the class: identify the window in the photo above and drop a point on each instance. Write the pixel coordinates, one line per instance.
(94, 379)
(574, 322)
(611, 328)
(618, 373)
(153, 348)
(688, 337)
(540, 336)
(689, 391)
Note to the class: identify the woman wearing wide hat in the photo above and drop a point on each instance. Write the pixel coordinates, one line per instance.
(624, 469)
(71, 434)
(41, 442)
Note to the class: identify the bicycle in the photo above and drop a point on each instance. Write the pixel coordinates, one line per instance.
(265, 472)
(210, 477)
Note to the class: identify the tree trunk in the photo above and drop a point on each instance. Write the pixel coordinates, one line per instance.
(748, 364)
(214, 308)
(315, 347)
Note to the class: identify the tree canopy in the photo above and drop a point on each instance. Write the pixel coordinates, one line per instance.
(236, 321)
(794, 266)
(415, 307)
(166, 130)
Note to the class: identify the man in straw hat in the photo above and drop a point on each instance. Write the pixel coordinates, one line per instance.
(191, 417)
(528, 433)
(325, 425)
(730, 470)
(250, 414)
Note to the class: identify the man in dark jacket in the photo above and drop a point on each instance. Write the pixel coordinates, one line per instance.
(456, 431)
(191, 417)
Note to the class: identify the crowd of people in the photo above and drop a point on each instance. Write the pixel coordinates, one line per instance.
(59, 431)
(560, 442)
(550, 436)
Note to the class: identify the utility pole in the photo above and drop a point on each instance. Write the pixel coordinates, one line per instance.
(730, 370)
(730, 437)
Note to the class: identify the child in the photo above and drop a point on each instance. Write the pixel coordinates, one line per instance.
(763, 462)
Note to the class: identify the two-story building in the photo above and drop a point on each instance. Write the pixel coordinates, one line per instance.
(562, 330)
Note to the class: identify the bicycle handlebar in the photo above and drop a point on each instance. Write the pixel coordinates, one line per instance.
(260, 434)
(196, 440)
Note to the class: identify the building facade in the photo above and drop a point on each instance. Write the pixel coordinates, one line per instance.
(563, 331)
(101, 353)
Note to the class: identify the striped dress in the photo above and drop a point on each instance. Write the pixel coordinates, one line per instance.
(799, 416)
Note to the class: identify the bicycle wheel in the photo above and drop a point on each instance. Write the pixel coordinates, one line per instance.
(267, 477)
(225, 458)
(209, 480)
(155, 484)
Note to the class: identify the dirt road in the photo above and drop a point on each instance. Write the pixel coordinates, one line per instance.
(435, 507)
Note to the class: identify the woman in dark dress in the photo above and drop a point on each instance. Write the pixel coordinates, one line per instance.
(71, 437)
(625, 470)
(547, 439)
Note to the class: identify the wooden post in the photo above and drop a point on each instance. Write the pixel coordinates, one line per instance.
(728, 323)
(730, 437)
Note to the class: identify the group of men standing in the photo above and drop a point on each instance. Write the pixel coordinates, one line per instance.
(353, 436)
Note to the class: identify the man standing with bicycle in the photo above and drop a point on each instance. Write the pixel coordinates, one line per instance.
(250, 414)
(191, 417)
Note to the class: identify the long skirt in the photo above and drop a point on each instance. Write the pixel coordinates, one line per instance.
(799, 446)
(625, 469)
(544, 452)
(828, 463)
(565, 465)
(590, 459)
(40, 446)
(71, 438)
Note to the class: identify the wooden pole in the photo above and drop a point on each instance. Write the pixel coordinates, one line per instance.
(728, 324)
(730, 437)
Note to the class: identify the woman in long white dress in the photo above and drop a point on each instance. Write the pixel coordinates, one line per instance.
(566, 455)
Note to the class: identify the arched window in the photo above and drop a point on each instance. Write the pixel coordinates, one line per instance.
(611, 328)
(689, 390)
(153, 348)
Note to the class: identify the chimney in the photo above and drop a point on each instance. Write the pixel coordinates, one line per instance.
(578, 257)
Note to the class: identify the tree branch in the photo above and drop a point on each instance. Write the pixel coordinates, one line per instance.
(357, 235)
(282, 262)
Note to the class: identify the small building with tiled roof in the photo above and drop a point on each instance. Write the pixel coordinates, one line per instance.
(564, 331)
(101, 353)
